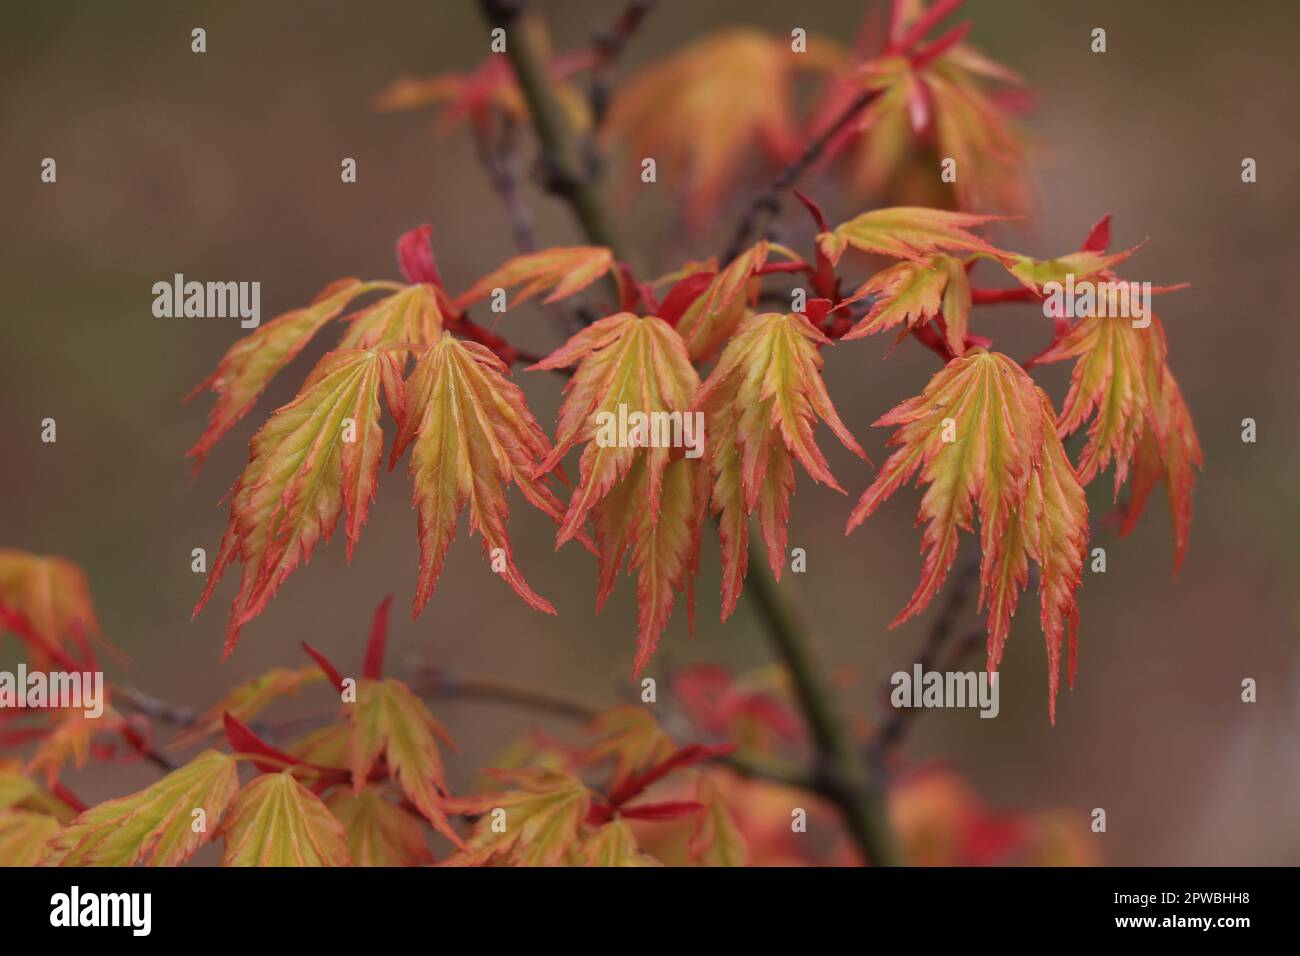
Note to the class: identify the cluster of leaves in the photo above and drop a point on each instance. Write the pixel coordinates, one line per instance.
(369, 789)
(727, 104)
(981, 435)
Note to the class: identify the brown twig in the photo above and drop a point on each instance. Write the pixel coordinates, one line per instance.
(608, 46)
(497, 154)
(766, 206)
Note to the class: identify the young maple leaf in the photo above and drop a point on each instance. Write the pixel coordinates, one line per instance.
(544, 819)
(912, 293)
(703, 111)
(906, 232)
(472, 436)
(646, 501)
(312, 459)
(154, 825)
(50, 597)
(565, 270)
(1141, 419)
(932, 102)
(391, 722)
(760, 404)
(982, 433)
(69, 740)
(276, 821)
(379, 831)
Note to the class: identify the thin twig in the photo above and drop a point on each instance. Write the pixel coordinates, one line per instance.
(765, 207)
(497, 154)
(608, 46)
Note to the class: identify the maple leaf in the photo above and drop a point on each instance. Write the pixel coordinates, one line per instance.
(379, 832)
(646, 502)
(703, 111)
(760, 404)
(751, 709)
(247, 700)
(23, 835)
(913, 292)
(473, 436)
(944, 100)
(312, 459)
(51, 597)
(565, 271)
(614, 844)
(276, 821)
(154, 825)
(906, 232)
(716, 841)
(981, 433)
(1083, 265)
(389, 721)
(1141, 419)
(411, 315)
(543, 820)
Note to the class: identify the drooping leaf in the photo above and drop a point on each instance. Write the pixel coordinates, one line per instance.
(716, 841)
(312, 459)
(473, 436)
(276, 821)
(249, 365)
(1083, 265)
(156, 825)
(389, 721)
(68, 740)
(23, 835)
(565, 271)
(906, 232)
(379, 832)
(760, 405)
(539, 823)
(413, 315)
(981, 436)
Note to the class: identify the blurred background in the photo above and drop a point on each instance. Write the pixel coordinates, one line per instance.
(225, 166)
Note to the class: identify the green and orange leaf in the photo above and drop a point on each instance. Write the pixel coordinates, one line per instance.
(312, 459)
(632, 738)
(276, 821)
(760, 405)
(614, 844)
(913, 292)
(538, 823)
(23, 835)
(565, 271)
(52, 598)
(156, 825)
(245, 701)
(389, 721)
(471, 437)
(379, 832)
(981, 436)
(716, 840)
(907, 232)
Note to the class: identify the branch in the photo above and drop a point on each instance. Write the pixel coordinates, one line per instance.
(568, 175)
(842, 773)
(889, 736)
(498, 157)
(608, 45)
(764, 207)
